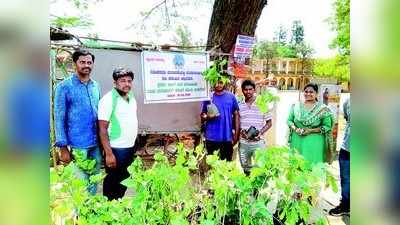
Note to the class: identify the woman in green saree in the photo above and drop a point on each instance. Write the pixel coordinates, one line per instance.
(310, 124)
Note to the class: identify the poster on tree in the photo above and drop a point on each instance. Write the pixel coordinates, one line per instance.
(172, 77)
(241, 51)
(244, 46)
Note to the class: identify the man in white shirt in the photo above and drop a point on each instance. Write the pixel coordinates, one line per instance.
(118, 127)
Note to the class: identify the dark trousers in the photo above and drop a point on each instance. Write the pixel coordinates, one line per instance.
(225, 149)
(392, 170)
(112, 187)
(344, 165)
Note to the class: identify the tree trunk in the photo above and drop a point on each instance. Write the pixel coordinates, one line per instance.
(230, 18)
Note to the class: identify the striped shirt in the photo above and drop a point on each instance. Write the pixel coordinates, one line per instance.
(251, 116)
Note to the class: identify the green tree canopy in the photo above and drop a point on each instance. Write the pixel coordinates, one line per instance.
(270, 49)
(340, 23)
(304, 51)
(296, 48)
(183, 36)
(265, 50)
(286, 51)
(337, 67)
(69, 21)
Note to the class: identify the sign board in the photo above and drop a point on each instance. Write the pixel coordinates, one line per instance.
(173, 77)
(152, 118)
(329, 94)
(244, 46)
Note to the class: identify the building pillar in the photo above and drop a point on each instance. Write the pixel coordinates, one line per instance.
(286, 83)
(279, 66)
(287, 66)
(301, 83)
(294, 83)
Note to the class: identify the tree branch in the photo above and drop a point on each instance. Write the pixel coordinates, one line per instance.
(150, 12)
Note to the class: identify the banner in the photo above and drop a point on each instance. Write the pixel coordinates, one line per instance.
(171, 77)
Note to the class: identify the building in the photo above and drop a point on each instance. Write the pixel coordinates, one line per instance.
(284, 73)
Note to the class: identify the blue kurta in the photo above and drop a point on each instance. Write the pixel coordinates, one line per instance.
(75, 113)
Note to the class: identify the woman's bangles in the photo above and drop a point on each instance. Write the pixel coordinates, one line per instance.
(302, 131)
(297, 130)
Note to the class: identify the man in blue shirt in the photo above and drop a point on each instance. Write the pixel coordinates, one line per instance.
(218, 129)
(75, 114)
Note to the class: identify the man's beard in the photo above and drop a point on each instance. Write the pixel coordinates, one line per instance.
(84, 70)
(120, 92)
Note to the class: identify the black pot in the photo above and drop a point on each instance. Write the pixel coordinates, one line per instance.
(252, 132)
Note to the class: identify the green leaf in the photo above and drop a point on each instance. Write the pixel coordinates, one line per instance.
(91, 164)
(261, 209)
(321, 221)
(332, 182)
(96, 178)
(207, 222)
(264, 99)
(304, 210)
(136, 166)
(129, 182)
(179, 221)
(214, 74)
(283, 214)
(180, 159)
(192, 163)
(106, 218)
(291, 218)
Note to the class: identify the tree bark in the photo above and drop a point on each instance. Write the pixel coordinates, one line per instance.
(230, 18)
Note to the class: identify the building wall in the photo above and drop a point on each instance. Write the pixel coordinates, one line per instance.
(284, 73)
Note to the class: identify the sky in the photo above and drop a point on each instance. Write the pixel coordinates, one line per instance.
(313, 15)
(112, 18)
